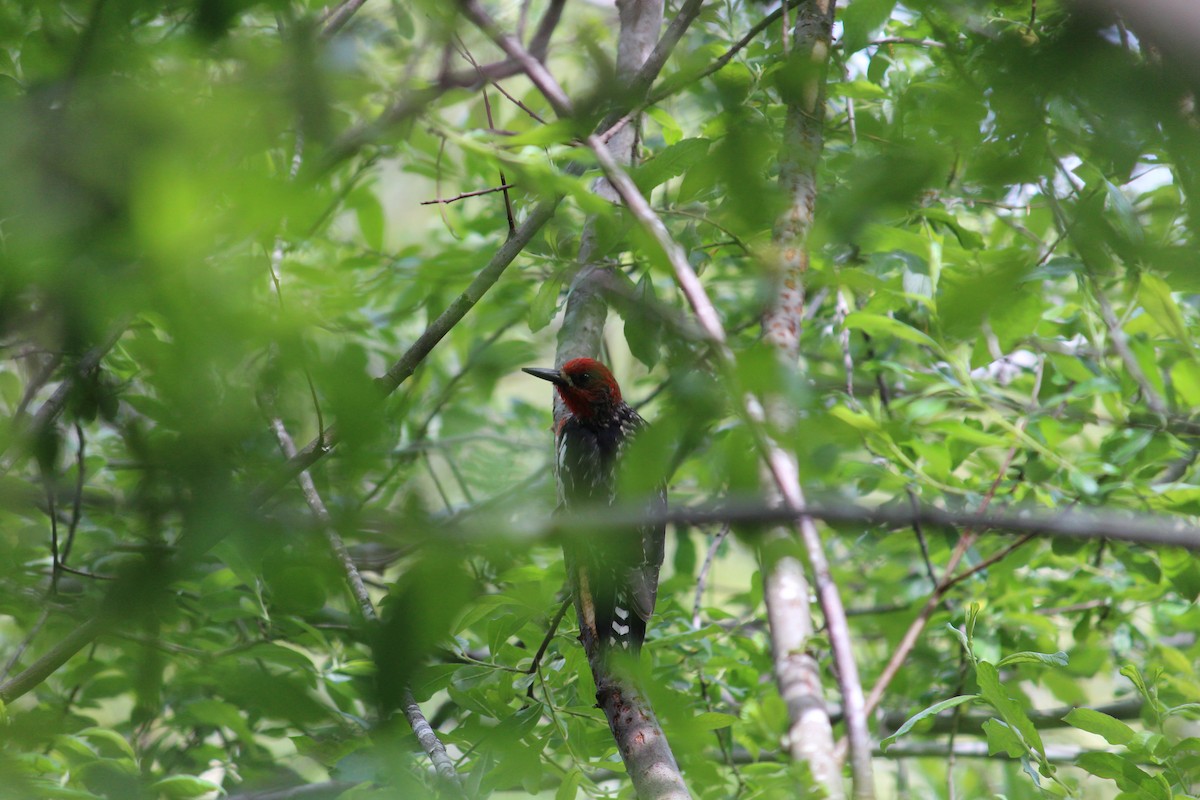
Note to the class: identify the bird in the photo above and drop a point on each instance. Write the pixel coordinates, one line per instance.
(614, 574)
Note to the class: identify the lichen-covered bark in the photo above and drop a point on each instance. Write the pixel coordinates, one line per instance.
(801, 151)
(643, 746)
(786, 590)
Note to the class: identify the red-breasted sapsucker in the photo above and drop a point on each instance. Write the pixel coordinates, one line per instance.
(615, 574)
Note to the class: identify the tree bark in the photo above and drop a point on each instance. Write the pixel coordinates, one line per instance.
(640, 739)
(786, 590)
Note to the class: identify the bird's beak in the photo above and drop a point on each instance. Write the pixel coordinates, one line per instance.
(552, 375)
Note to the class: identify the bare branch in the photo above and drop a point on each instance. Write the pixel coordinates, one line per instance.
(972, 723)
(336, 19)
(1083, 524)
(1056, 754)
(533, 68)
(785, 590)
(465, 195)
(425, 734)
(721, 61)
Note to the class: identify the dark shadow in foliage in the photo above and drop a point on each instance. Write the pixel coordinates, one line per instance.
(416, 616)
(884, 186)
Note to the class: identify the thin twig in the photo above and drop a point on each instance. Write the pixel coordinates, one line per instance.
(1121, 344)
(35, 384)
(550, 631)
(987, 562)
(964, 543)
(412, 711)
(906, 40)
(924, 545)
(533, 68)
(702, 578)
(25, 642)
(487, 107)
(465, 195)
(337, 18)
(77, 501)
(517, 102)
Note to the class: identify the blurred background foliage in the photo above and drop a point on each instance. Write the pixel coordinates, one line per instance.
(211, 217)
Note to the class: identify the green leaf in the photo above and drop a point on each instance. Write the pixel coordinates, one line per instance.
(933, 710)
(369, 213)
(1131, 672)
(963, 639)
(1185, 378)
(557, 132)
(218, 713)
(993, 692)
(118, 742)
(545, 302)
(183, 787)
(1123, 213)
(1155, 296)
(1087, 719)
(1058, 659)
(1001, 738)
(1122, 770)
(671, 131)
(569, 788)
(859, 90)
(855, 419)
(49, 790)
(862, 18)
(966, 238)
(1083, 482)
(643, 328)
(713, 720)
(877, 325)
(670, 163)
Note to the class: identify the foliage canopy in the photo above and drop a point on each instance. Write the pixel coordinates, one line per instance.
(211, 220)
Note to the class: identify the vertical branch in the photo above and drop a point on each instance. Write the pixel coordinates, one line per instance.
(634, 725)
(786, 591)
(640, 739)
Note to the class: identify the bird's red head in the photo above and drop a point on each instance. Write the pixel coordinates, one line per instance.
(585, 385)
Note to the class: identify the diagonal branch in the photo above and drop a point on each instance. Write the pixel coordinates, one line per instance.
(416, 353)
(781, 467)
(965, 540)
(425, 733)
(58, 655)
